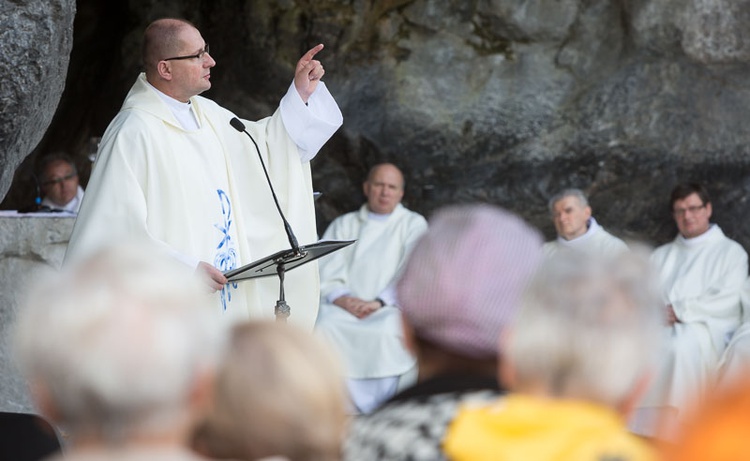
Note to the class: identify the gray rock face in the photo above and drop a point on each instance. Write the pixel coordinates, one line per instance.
(511, 101)
(36, 37)
(30, 248)
(505, 101)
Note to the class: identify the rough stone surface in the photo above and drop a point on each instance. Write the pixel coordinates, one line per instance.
(36, 37)
(504, 101)
(30, 247)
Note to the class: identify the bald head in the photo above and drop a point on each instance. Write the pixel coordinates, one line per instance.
(176, 59)
(384, 188)
(389, 168)
(161, 40)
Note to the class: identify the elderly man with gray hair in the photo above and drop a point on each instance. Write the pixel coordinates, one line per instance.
(577, 359)
(120, 353)
(576, 228)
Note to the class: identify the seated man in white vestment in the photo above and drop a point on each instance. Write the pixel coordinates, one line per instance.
(734, 365)
(576, 228)
(58, 181)
(358, 308)
(702, 273)
(171, 171)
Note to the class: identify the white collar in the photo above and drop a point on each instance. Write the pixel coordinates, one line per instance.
(593, 228)
(372, 216)
(712, 230)
(183, 111)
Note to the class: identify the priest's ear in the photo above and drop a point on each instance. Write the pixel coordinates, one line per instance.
(164, 69)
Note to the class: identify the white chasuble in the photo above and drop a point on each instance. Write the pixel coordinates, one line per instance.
(201, 195)
(702, 279)
(371, 347)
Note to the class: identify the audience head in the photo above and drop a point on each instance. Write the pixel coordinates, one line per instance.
(280, 392)
(570, 212)
(120, 347)
(58, 178)
(384, 188)
(718, 431)
(586, 330)
(691, 209)
(176, 58)
(464, 278)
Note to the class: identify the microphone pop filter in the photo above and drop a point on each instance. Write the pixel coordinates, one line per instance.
(237, 125)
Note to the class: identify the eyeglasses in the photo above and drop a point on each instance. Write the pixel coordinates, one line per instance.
(200, 55)
(684, 211)
(56, 181)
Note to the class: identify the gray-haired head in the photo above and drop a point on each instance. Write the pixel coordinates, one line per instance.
(114, 345)
(577, 193)
(587, 328)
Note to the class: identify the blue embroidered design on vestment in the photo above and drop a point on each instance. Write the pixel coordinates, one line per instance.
(226, 255)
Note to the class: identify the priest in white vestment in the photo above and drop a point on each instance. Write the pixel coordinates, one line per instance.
(576, 229)
(358, 311)
(702, 273)
(172, 172)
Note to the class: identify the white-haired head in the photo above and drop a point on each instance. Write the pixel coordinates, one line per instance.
(587, 329)
(112, 347)
(572, 192)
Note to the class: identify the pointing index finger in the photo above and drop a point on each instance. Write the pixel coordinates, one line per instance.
(312, 52)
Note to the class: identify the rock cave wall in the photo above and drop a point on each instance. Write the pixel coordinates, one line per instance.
(503, 101)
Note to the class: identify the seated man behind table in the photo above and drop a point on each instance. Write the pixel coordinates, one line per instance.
(577, 358)
(357, 312)
(59, 183)
(460, 288)
(702, 273)
(576, 228)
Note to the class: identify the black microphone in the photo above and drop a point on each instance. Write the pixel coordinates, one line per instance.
(239, 126)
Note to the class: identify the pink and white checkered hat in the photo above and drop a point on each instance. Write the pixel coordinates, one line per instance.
(464, 279)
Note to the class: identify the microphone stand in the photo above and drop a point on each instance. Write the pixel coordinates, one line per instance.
(37, 206)
(282, 309)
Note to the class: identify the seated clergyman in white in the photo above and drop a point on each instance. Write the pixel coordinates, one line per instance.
(734, 365)
(702, 273)
(576, 228)
(357, 307)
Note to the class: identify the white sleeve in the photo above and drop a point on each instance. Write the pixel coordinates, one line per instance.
(337, 293)
(388, 295)
(310, 125)
(188, 260)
